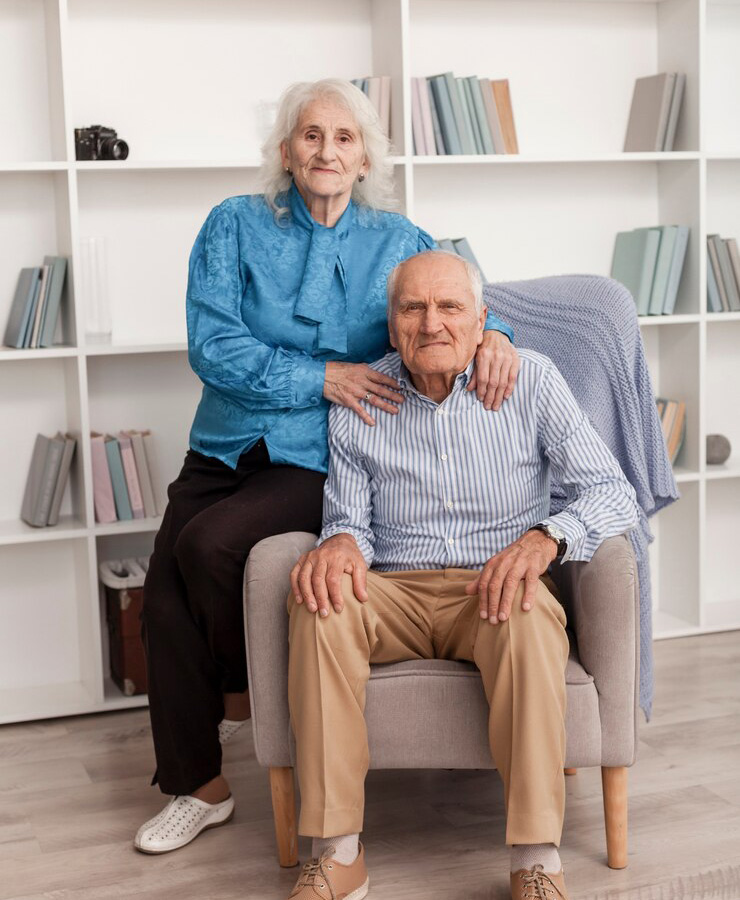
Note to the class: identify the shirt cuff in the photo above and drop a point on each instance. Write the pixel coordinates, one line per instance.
(366, 548)
(493, 323)
(575, 535)
(307, 381)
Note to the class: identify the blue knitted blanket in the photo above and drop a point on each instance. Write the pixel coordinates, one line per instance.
(588, 326)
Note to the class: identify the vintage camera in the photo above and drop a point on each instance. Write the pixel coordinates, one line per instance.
(99, 142)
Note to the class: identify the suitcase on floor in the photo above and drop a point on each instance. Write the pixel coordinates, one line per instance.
(123, 583)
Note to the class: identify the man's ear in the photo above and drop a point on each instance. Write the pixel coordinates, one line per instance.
(482, 326)
(392, 333)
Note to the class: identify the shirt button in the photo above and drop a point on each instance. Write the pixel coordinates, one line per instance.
(450, 504)
(443, 456)
(451, 540)
(440, 412)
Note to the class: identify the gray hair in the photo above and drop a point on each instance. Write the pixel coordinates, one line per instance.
(473, 273)
(376, 191)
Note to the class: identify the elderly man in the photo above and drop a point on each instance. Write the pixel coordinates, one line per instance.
(442, 487)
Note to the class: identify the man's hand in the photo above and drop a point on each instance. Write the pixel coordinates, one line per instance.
(524, 560)
(316, 578)
(496, 369)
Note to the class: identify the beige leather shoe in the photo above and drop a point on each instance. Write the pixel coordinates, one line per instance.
(536, 884)
(327, 879)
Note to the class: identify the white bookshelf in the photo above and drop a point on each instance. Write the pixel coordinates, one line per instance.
(189, 86)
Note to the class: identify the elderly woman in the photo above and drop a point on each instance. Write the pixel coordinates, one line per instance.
(286, 305)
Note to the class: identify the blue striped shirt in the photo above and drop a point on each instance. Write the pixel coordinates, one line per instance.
(442, 485)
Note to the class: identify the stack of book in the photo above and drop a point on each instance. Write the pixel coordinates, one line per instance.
(47, 479)
(125, 483)
(723, 274)
(673, 420)
(461, 247)
(378, 90)
(656, 103)
(649, 263)
(34, 313)
(453, 116)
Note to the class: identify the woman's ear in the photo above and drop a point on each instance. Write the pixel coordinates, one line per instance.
(284, 156)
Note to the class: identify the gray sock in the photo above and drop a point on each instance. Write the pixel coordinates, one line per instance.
(525, 856)
(346, 848)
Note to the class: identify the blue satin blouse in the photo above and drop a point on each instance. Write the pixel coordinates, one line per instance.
(268, 305)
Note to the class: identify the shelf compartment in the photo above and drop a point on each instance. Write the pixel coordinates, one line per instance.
(722, 385)
(722, 570)
(555, 102)
(722, 78)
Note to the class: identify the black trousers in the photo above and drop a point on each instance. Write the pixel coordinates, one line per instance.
(192, 619)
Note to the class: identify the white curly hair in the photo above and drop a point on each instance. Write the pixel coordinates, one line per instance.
(376, 191)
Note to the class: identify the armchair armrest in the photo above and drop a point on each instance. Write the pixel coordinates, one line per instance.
(266, 589)
(601, 599)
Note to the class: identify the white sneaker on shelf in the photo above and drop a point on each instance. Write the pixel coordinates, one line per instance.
(227, 728)
(180, 822)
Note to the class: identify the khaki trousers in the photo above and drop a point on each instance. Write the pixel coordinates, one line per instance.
(424, 615)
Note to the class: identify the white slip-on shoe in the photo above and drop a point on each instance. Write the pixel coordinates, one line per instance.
(180, 822)
(227, 728)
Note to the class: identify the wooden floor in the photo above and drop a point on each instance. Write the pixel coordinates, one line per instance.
(74, 791)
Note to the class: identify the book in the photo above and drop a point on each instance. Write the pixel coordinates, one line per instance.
(160, 495)
(494, 123)
(20, 310)
(668, 234)
(466, 105)
(465, 138)
(32, 315)
(118, 479)
(70, 442)
(677, 431)
(463, 248)
(385, 104)
(42, 478)
(502, 96)
(373, 93)
(142, 471)
(728, 276)
(447, 121)
(54, 298)
(35, 326)
(676, 270)
(714, 263)
(427, 118)
(105, 507)
(714, 304)
(635, 253)
(131, 475)
(446, 244)
(649, 113)
(480, 115)
(677, 97)
(417, 126)
(731, 246)
(439, 142)
(668, 417)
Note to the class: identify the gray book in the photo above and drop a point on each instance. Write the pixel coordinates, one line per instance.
(466, 143)
(714, 304)
(480, 115)
(731, 245)
(728, 276)
(674, 276)
(635, 253)
(714, 262)
(43, 293)
(446, 244)
(20, 310)
(668, 234)
(51, 311)
(62, 477)
(32, 318)
(494, 121)
(651, 105)
(678, 91)
(118, 479)
(439, 140)
(42, 479)
(142, 470)
(152, 461)
(466, 103)
(463, 248)
(447, 120)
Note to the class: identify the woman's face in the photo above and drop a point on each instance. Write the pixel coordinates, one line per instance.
(325, 152)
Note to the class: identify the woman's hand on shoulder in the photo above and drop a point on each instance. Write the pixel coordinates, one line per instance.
(349, 383)
(496, 370)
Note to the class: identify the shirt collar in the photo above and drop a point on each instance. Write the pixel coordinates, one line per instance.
(301, 215)
(403, 377)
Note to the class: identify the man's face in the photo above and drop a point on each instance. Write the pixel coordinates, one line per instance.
(434, 324)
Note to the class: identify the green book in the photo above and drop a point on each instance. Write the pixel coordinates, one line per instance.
(635, 254)
(480, 115)
(466, 144)
(22, 307)
(674, 276)
(668, 234)
(54, 298)
(118, 479)
(447, 119)
(466, 102)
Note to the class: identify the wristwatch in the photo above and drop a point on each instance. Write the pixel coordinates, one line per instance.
(556, 534)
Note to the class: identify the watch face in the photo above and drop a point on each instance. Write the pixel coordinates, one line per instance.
(555, 533)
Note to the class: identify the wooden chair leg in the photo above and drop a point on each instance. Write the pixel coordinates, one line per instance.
(570, 771)
(283, 810)
(614, 785)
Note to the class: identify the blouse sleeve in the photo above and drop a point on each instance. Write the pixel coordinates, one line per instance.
(222, 351)
(493, 323)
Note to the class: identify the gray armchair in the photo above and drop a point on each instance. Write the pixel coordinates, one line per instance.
(433, 713)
